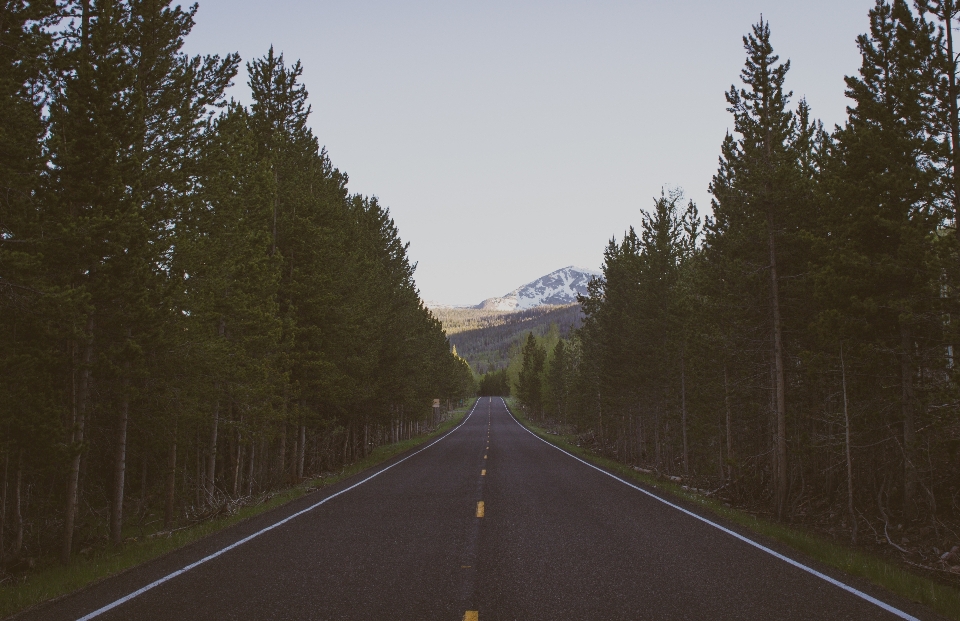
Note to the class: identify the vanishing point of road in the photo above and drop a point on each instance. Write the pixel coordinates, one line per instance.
(488, 522)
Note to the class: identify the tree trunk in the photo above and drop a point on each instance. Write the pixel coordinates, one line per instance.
(952, 94)
(683, 414)
(238, 460)
(729, 419)
(82, 397)
(17, 514)
(276, 208)
(846, 423)
(302, 453)
(170, 496)
(294, 452)
(3, 505)
(657, 454)
(780, 384)
(120, 471)
(600, 419)
(143, 484)
(211, 471)
(250, 470)
(282, 451)
(908, 406)
(366, 438)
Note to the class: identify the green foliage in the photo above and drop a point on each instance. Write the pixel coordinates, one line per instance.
(486, 338)
(194, 309)
(530, 380)
(494, 384)
(797, 356)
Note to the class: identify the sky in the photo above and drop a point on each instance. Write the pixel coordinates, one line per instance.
(510, 139)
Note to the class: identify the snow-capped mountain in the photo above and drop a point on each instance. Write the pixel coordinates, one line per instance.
(559, 287)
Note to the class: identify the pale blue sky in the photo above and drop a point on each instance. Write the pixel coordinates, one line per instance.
(510, 139)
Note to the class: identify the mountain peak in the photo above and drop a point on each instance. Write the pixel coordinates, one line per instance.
(558, 287)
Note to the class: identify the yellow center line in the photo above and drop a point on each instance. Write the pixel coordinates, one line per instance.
(483, 472)
(471, 615)
(480, 508)
(484, 456)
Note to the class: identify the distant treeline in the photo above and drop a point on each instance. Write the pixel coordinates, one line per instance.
(193, 308)
(486, 338)
(494, 384)
(795, 351)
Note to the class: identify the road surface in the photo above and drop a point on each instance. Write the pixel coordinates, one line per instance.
(487, 523)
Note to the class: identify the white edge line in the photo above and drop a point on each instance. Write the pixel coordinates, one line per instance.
(170, 576)
(786, 559)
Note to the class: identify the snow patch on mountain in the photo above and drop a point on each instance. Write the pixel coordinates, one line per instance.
(557, 287)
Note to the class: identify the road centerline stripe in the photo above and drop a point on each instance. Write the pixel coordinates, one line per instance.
(846, 587)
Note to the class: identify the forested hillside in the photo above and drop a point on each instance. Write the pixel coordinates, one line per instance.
(794, 351)
(193, 306)
(485, 338)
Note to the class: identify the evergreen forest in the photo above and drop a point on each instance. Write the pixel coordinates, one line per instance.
(489, 339)
(793, 352)
(194, 309)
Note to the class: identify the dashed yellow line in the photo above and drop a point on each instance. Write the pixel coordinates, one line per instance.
(480, 508)
(471, 615)
(483, 472)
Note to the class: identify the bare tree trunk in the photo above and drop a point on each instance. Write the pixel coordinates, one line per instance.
(952, 95)
(211, 472)
(17, 514)
(143, 484)
(683, 414)
(250, 470)
(729, 419)
(238, 460)
(780, 384)
(79, 415)
(846, 422)
(302, 453)
(908, 406)
(600, 419)
(171, 480)
(294, 452)
(276, 208)
(656, 438)
(200, 483)
(3, 504)
(366, 437)
(120, 471)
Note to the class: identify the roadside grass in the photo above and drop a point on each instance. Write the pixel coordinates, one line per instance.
(54, 580)
(942, 598)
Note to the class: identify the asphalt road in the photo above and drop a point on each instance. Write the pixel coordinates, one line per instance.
(554, 538)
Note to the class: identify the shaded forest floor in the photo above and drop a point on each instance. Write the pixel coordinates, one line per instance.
(910, 574)
(30, 586)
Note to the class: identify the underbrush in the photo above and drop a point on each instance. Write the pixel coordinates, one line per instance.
(900, 576)
(49, 579)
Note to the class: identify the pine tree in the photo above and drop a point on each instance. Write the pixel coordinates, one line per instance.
(530, 385)
(752, 194)
(883, 191)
